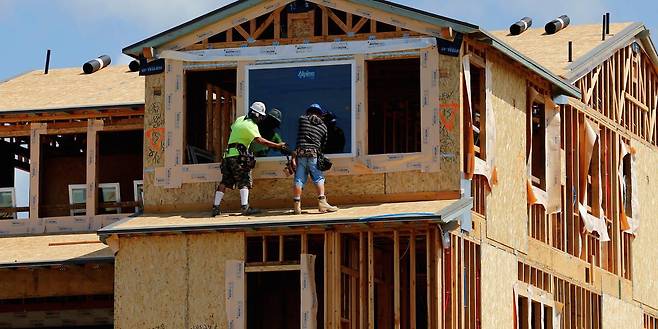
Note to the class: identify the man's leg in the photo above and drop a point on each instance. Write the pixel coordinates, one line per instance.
(318, 180)
(219, 195)
(301, 173)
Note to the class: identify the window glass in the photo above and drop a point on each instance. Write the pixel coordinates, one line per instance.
(293, 89)
(6, 199)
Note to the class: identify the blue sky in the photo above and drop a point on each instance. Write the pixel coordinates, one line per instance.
(79, 30)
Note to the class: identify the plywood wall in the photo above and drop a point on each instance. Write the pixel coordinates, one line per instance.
(616, 313)
(53, 282)
(173, 281)
(645, 253)
(151, 282)
(499, 273)
(154, 133)
(449, 115)
(506, 205)
(207, 254)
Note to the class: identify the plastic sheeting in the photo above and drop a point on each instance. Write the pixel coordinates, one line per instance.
(309, 298)
(235, 294)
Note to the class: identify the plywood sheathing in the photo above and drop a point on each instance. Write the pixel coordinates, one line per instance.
(506, 205)
(154, 138)
(69, 88)
(499, 273)
(207, 255)
(616, 313)
(19, 250)
(174, 220)
(449, 116)
(551, 51)
(151, 276)
(645, 253)
(185, 280)
(96, 279)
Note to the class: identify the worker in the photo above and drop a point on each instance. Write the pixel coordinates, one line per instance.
(311, 139)
(335, 135)
(238, 161)
(268, 130)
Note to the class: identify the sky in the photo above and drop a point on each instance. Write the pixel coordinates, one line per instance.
(79, 30)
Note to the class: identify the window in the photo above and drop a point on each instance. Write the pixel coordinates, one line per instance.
(210, 111)
(77, 196)
(478, 98)
(138, 191)
(627, 186)
(109, 192)
(537, 134)
(7, 200)
(393, 106)
(291, 88)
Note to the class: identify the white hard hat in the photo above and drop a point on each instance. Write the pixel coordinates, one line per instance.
(258, 107)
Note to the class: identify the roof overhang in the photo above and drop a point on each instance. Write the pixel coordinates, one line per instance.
(442, 212)
(561, 86)
(605, 50)
(233, 8)
(71, 108)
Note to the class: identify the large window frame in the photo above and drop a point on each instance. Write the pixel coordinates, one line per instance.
(350, 62)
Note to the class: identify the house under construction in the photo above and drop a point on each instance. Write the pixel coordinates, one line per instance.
(487, 180)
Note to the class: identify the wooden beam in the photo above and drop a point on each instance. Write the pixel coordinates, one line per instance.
(636, 101)
(229, 35)
(595, 80)
(242, 32)
(371, 281)
(265, 25)
(337, 20)
(36, 129)
(271, 268)
(277, 23)
(396, 279)
(359, 24)
(363, 286)
(92, 166)
(412, 280)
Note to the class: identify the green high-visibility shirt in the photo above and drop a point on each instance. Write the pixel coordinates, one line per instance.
(243, 131)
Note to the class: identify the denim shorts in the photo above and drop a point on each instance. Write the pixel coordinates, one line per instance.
(306, 166)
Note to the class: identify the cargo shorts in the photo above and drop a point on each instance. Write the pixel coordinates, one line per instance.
(235, 173)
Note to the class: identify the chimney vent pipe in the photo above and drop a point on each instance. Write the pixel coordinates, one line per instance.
(45, 71)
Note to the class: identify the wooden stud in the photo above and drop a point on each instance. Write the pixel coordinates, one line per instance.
(412, 280)
(229, 35)
(396, 279)
(371, 281)
(281, 248)
(363, 284)
(92, 166)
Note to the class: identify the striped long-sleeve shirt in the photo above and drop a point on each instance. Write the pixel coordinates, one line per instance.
(312, 133)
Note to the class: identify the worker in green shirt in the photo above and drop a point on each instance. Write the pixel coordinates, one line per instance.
(238, 161)
(268, 130)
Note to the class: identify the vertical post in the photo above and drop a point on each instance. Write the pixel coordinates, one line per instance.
(362, 283)
(412, 280)
(36, 129)
(304, 248)
(337, 276)
(429, 242)
(92, 168)
(396, 279)
(328, 322)
(45, 71)
(371, 282)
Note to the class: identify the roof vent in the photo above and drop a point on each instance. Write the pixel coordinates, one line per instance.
(134, 66)
(520, 26)
(557, 24)
(96, 64)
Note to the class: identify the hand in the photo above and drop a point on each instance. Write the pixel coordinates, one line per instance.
(285, 150)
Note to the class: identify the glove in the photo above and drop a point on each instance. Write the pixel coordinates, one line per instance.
(285, 150)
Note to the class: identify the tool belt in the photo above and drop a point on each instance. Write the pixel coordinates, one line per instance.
(245, 157)
(306, 153)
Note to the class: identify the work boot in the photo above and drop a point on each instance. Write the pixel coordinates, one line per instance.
(298, 207)
(248, 211)
(324, 206)
(215, 211)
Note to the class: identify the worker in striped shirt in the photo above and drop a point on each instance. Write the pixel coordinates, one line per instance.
(311, 139)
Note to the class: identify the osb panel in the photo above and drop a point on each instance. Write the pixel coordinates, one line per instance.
(52, 282)
(416, 181)
(151, 282)
(506, 206)
(191, 196)
(616, 313)
(645, 253)
(499, 272)
(154, 133)
(450, 127)
(207, 255)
